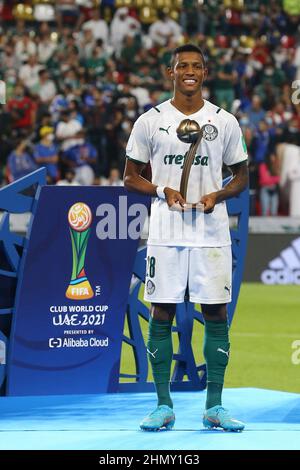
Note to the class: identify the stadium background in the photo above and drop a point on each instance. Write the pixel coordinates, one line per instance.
(75, 88)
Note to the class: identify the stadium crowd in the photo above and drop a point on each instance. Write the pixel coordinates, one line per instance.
(78, 76)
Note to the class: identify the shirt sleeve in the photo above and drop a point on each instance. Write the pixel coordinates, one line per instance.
(138, 145)
(235, 150)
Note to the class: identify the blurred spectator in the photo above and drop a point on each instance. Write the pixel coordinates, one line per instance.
(67, 131)
(261, 142)
(19, 162)
(224, 83)
(164, 29)
(25, 47)
(269, 191)
(29, 72)
(131, 47)
(97, 63)
(75, 111)
(141, 93)
(297, 59)
(19, 28)
(46, 48)
(22, 110)
(123, 136)
(291, 133)
(259, 54)
(82, 158)
(45, 87)
(67, 12)
(87, 43)
(121, 26)
(97, 26)
(193, 18)
(45, 154)
(69, 179)
(255, 112)
(290, 177)
(252, 166)
(114, 178)
(9, 60)
(45, 121)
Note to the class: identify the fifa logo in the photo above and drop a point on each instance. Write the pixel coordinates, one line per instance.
(80, 219)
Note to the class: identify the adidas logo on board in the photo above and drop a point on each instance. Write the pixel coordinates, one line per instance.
(285, 269)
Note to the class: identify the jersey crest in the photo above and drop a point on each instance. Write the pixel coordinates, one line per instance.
(210, 132)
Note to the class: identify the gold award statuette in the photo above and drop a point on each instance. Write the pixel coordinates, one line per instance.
(189, 132)
(80, 219)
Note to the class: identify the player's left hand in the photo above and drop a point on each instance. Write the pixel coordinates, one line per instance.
(209, 201)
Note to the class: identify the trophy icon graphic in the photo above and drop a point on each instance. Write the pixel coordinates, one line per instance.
(80, 219)
(189, 132)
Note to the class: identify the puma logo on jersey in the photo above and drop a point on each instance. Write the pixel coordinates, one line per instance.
(166, 130)
(224, 352)
(179, 160)
(152, 353)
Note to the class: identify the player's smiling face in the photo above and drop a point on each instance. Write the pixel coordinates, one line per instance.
(188, 72)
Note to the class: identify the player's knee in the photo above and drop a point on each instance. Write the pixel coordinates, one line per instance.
(163, 312)
(214, 312)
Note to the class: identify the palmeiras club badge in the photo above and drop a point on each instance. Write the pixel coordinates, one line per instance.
(150, 287)
(210, 132)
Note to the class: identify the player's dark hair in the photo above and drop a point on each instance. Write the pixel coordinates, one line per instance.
(187, 48)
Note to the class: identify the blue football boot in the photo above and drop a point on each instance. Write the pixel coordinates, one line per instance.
(162, 417)
(218, 417)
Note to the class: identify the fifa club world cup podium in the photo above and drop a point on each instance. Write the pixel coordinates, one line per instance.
(68, 290)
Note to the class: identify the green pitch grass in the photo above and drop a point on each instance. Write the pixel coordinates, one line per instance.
(264, 328)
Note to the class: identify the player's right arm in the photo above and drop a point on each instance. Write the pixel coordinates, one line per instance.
(134, 181)
(138, 153)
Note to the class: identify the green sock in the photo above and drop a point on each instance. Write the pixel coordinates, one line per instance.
(216, 353)
(214, 395)
(160, 352)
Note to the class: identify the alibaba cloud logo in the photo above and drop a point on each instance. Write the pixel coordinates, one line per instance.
(55, 342)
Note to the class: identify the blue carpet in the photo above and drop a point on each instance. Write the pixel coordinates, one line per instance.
(112, 422)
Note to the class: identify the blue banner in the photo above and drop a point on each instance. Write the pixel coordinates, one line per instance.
(73, 291)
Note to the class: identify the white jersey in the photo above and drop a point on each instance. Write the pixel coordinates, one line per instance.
(153, 138)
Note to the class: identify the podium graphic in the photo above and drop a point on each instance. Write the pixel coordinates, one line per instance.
(66, 335)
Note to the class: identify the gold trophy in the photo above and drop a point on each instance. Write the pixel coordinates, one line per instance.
(189, 132)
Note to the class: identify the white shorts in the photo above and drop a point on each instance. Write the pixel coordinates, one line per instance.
(207, 273)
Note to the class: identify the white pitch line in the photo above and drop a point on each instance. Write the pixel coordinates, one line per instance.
(264, 335)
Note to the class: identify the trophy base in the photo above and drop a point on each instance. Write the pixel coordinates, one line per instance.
(188, 207)
(80, 291)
